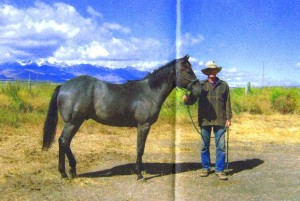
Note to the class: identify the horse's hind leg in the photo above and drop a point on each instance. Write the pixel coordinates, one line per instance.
(65, 139)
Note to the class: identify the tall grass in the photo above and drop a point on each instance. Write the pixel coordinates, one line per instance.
(21, 103)
(285, 101)
(268, 100)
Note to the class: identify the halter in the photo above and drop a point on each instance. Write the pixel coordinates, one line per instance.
(189, 85)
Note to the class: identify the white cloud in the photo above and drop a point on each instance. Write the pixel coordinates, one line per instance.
(298, 64)
(201, 63)
(139, 64)
(95, 50)
(94, 13)
(187, 41)
(239, 78)
(59, 33)
(230, 70)
(193, 60)
(86, 52)
(190, 40)
(116, 27)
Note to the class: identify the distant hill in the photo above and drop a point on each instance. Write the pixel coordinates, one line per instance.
(59, 73)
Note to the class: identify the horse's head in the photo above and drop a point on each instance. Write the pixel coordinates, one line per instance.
(185, 76)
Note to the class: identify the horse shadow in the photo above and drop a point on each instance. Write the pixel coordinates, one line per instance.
(163, 169)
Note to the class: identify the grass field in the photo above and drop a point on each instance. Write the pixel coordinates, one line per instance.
(23, 103)
(262, 118)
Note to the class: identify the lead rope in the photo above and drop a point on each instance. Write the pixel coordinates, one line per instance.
(188, 109)
(189, 112)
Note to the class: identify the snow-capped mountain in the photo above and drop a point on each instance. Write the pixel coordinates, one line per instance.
(58, 73)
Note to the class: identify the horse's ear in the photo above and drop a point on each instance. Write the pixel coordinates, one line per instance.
(187, 57)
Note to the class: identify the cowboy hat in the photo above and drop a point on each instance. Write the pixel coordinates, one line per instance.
(209, 66)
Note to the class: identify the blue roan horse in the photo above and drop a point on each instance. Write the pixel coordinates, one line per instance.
(133, 104)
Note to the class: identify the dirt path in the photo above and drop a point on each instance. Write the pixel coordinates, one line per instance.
(258, 171)
(271, 173)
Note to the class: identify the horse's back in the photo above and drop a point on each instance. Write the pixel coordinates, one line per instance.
(115, 104)
(86, 97)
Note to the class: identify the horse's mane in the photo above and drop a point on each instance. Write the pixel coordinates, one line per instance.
(156, 71)
(161, 74)
(154, 74)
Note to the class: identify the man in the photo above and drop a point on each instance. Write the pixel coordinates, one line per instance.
(214, 112)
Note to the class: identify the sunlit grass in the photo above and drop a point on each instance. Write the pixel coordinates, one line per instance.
(268, 100)
(21, 102)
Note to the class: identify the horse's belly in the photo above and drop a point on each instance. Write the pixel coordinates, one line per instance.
(120, 120)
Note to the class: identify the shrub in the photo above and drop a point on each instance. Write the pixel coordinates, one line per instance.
(237, 96)
(283, 100)
(13, 90)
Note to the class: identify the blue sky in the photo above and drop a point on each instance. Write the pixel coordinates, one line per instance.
(242, 36)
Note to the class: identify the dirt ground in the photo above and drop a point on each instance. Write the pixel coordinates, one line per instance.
(263, 154)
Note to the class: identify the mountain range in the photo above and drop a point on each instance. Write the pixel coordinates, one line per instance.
(60, 73)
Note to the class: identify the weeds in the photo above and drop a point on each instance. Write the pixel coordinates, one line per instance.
(12, 90)
(284, 100)
(20, 103)
(267, 100)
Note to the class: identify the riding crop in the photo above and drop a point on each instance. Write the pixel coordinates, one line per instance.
(227, 148)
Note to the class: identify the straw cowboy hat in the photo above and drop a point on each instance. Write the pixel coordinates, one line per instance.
(211, 65)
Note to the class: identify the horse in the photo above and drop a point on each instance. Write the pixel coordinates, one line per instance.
(131, 104)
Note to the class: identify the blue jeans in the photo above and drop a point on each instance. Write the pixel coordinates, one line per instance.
(219, 133)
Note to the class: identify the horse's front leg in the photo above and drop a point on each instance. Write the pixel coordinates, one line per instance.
(142, 133)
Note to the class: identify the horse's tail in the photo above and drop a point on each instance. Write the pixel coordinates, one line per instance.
(51, 121)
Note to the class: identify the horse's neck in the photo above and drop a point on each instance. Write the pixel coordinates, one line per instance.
(167, 87)
(164, 85)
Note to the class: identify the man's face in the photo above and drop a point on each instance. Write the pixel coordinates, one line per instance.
(212, 73)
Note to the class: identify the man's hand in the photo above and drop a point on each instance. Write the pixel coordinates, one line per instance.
(184, 99)
(228, 123)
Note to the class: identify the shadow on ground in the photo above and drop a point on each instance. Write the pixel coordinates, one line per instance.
(161, 169)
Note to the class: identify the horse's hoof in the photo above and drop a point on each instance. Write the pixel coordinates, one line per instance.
(64, 175)
(141, 178)
(73, 175)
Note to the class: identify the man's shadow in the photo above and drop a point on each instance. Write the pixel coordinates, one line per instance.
(162, 169)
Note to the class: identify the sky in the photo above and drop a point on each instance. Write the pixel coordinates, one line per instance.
(254, 41)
